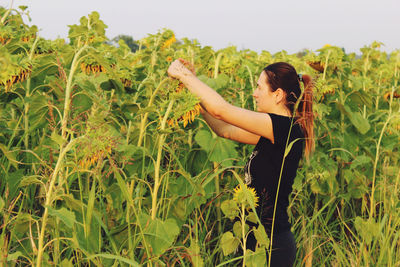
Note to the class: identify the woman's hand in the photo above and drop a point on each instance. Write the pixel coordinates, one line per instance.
(178, 71)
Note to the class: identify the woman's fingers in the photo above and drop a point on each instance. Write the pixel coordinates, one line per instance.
(173, 70)
(177, 69)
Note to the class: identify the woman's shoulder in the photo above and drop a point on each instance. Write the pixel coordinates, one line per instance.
(282, 125)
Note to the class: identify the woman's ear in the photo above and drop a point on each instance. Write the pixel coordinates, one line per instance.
(279, 95)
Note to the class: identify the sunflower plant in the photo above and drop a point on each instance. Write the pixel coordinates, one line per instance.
(241, 209)
(14, 69)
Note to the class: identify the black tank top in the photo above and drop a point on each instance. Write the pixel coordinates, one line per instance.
(263, 169)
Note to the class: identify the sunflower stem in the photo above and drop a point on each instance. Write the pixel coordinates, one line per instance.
(243, 219)
(157, 180)
(144, 117)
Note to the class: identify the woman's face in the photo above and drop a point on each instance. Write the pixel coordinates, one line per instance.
(265, 98)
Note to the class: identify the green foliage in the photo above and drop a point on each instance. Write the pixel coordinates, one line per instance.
(160, 235)
(219, 149)
(229, 243)
(86, 141)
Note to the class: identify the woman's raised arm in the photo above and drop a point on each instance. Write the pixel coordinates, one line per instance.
(255, 123)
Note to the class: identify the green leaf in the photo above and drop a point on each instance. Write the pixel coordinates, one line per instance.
(237, 229)
(204, 139)
(21, 223)
(230, 208)
(368, 229)
(73, 203)
(66, 263)
(220, 150)
(13, 181)
(289, 147)
(82, 102)
(179, 210)
(159, 234)
(252, 217)
(257, 258)
(261, 235)
(194, 253)
(132, 151)
(57, 138)
(28, 180)
(357, 185)
(197, 161)
(224, 149)
(115, 257)
(150, 109)
(129, 107)
(360, 160)
(9, 155)
(361, 123)
(221, 81)
(361, 98)
(66, 216)
(210, 82)
(229, 243)
(23, 8)
(1, 205)
(342, 108)
(14, 256)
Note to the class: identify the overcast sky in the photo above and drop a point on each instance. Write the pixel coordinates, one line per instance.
(256, 25)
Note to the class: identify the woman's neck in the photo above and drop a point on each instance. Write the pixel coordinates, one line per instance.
(283, 111)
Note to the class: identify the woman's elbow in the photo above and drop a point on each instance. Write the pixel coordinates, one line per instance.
(218, 111)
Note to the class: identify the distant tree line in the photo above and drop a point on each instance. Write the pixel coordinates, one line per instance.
(127, 39)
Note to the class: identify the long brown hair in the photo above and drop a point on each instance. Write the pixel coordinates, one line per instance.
(283, 75)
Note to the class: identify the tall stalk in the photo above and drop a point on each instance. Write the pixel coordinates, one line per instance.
(28, 95)
(253, 87)
(68, 90)
(157, 180)
(372, 202)
(49, 198)
(216, 65)
(218, 200)
(366, 63)
(243, 219)
(3, 19)
(379, 143)
(326, 65)
(63, 151)
(144, 117)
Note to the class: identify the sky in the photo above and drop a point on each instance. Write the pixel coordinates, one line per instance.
(248, 24)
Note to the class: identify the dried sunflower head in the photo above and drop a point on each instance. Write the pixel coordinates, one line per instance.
(188, 106)
(13, 69)
(100, 140)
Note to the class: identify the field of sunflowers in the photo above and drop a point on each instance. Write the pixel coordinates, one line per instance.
(105, 161)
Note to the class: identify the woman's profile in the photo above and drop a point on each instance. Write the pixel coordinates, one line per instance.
(284, 116)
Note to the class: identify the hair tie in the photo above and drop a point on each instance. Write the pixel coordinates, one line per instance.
(300, 76)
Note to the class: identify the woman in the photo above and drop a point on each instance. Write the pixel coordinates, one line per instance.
(268, 128)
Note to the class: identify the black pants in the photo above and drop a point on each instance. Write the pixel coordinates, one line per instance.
(283, 249)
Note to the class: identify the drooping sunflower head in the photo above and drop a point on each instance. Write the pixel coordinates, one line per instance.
(13, 69)
(89, 69)
(187, 106)
(244, 195)
(99, 141)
